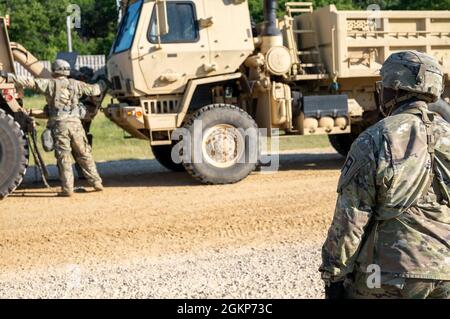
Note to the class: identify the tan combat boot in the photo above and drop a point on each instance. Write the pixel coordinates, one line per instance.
(98, 187)
(65, 193)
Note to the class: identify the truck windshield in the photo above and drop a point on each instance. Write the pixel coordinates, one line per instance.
(128, 28)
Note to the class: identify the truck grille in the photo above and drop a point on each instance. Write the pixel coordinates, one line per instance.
(166, 106)
(117, 84)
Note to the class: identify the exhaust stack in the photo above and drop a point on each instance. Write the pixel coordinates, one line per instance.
(270, 33)
(270, 26)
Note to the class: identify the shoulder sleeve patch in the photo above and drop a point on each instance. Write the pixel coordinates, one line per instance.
(358, 156)
(348, 165)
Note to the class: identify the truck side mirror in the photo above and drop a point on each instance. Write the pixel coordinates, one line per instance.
(161, 18)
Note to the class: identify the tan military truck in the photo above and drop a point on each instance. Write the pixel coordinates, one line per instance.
(312, 72)
(17, 126)
(179, 68)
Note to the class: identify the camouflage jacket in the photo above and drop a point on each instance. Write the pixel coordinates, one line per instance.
(62, 94)
(388, 211)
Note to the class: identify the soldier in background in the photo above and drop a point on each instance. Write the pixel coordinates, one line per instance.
(65, 114)
(390, 235)
(86, 74)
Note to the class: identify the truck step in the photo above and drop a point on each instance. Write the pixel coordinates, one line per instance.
(308, 10)
(312, 52)
(304, 31)
(311, 65)
(298, 4)
(305, 77)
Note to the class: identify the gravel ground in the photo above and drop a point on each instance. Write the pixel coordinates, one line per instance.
(155, 234)
(284, 271)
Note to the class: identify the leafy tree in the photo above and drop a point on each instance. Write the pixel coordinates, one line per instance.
(422, 5)
(99, 23)
(256, 6)
(40, 25)
(405, 4)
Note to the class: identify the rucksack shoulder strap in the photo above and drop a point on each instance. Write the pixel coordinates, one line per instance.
(427, 119)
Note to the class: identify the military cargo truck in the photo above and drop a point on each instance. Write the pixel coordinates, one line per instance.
(15, 124)
(311, 72)
(175, 63)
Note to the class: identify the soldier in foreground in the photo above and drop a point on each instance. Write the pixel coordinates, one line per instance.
(390, 236)
(65, 113)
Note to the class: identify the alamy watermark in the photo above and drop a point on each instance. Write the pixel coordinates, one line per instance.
(374, 20)
(223, 146)
(373, 280)
(74, 11)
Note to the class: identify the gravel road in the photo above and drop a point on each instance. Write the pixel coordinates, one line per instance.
(155, 234)
(283, 271)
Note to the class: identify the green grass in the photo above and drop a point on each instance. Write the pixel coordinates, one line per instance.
(110, 144)
(109, 141)
(296, 142)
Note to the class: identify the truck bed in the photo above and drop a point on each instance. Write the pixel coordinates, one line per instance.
(356, 43)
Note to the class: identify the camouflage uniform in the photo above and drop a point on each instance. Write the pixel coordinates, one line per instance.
(393, 210)
(86, 74)
(398, 288)
(65, 112)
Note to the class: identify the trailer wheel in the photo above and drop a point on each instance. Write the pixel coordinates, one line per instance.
(13, 154)
(228, 151)
(163, 155)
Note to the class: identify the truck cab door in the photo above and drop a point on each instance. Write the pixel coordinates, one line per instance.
(181, 55)
(230, 33)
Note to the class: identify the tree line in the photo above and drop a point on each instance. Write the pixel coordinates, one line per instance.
(40, 25)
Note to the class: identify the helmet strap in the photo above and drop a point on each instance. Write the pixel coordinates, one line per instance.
(388, 107)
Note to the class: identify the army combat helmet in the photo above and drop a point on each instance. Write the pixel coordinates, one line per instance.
(413, 74)
(61, 68)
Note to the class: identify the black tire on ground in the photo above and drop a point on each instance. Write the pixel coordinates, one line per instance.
(13, 154)
(342, 142)
(163, 154)
(229, 147)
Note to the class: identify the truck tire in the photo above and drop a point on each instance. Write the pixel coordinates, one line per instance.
(13, 154)
(228, 152)
(342, 142)
(163, 154)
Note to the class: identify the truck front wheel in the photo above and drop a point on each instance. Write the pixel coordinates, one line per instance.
(223, 143)
(163, 154)
(13, 154)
